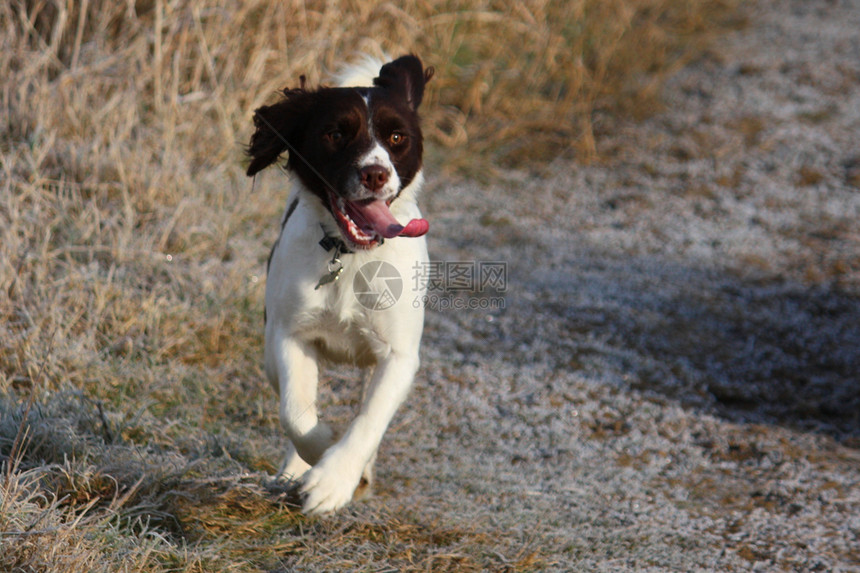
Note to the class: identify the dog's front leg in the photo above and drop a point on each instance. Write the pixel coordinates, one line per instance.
(294, 365)
(330, 484)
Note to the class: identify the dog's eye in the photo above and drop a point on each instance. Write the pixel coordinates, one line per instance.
(397, 138)
(334, 136)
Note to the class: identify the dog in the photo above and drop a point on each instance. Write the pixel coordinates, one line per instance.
(355, 154)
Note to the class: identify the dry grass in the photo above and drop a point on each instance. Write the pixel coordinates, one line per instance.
(132, 249)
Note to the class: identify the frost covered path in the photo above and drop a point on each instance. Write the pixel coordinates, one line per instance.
(672, 384)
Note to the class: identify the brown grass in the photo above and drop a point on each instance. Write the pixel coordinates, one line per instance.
(132, 248)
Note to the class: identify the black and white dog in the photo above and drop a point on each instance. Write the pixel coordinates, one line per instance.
(356, 155)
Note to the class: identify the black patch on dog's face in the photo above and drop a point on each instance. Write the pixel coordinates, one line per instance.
(396, 127)
(326, 131)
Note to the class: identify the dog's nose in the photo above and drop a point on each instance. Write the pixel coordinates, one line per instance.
(373, 177)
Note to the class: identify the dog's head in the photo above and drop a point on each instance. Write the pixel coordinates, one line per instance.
(355, 148)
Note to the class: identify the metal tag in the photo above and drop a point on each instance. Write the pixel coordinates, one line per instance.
(335, 267)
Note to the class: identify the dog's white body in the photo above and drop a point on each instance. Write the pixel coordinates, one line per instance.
(306, 325)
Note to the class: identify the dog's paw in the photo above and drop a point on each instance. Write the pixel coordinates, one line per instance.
(293, 468)
(326, 491)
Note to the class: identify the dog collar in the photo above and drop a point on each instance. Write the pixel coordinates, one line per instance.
(329, 242)
(335, 265)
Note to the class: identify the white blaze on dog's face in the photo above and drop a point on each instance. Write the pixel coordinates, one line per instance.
(354, 148)
(375, 176)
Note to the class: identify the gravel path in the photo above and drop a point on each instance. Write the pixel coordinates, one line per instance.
(672, 382)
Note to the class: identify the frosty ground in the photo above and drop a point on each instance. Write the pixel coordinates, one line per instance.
(673, 381)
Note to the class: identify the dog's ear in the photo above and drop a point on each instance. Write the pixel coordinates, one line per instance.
(406, 76)
(277, 127)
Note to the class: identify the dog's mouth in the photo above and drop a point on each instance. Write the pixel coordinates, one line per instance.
(367, 222)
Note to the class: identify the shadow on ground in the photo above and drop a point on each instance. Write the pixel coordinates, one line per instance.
(749, 351)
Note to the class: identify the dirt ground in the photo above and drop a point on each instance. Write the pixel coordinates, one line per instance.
(672, 382)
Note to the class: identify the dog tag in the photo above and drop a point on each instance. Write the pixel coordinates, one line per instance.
(334, 270)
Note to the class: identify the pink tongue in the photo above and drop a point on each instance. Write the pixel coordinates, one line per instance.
(416, 228)
(377, 216)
